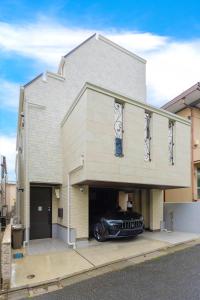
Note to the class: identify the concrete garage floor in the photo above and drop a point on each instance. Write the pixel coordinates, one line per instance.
(61, 262)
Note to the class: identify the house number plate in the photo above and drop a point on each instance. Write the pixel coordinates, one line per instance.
(39, 208)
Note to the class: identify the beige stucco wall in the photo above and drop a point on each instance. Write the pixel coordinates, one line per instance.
(47, 99)
(73, 135)
(10, 195)
(185, 195)
(178, 195)
(156, 209)
(43, 117)
(50, 96)
(105, 64)
(102, 164)
(79, 211)
(74, 143)
(88, 131)
(145, 207)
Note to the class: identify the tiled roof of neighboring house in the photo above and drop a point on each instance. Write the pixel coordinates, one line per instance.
(190, 97)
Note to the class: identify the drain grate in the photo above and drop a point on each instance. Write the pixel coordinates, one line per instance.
(31, 276)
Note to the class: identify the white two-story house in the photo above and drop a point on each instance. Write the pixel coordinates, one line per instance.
(87, 138)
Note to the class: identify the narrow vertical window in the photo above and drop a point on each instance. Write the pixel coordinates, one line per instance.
(171, 141)
(147, 136)
(198, 183)
(118, 127)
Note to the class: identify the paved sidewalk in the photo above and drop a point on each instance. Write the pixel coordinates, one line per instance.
(172, 237)
(50, 266)
(47, 267)
(174, 276)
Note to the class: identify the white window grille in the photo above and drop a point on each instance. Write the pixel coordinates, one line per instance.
(198, 183)
(147, 136)
(171, 141)
(118, 127)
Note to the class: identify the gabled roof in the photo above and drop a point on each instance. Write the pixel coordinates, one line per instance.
(190, 97)
(105, 40)
(32, 80)
(84, 42)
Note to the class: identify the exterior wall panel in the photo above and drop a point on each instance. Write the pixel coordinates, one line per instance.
(103, 165)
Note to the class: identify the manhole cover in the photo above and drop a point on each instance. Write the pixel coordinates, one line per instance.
(31, 276)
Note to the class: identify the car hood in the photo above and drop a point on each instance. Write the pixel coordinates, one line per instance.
(122, 216)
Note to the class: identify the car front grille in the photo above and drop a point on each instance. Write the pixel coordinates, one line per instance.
(129, 224)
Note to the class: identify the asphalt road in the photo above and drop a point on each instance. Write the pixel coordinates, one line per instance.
(174, 276)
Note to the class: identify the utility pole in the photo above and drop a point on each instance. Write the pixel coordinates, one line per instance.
(3, 186)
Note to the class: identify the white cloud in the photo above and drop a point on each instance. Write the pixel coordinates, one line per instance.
(8, 149)
(43, 41)
(172, 66)
(138, 42)
(172, 69)
(9, 94)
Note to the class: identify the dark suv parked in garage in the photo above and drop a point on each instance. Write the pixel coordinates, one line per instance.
(118, 225)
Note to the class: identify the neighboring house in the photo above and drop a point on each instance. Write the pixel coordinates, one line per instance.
(87, 139)
(11, 196)
(187, 105)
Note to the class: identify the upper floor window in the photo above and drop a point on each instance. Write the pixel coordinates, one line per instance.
(147, 136)
(118, 127)
(171, 141)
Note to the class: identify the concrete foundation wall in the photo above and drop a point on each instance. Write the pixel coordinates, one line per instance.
(182, 216)
(6, 258)
(60, 232)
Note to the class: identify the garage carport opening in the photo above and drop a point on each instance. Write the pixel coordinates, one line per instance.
(103, 200)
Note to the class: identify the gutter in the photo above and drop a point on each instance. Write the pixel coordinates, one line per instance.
(181, 96)
(27, 193)
(192, 151)
(69, 242)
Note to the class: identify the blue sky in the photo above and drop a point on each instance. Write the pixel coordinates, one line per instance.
(35, 34)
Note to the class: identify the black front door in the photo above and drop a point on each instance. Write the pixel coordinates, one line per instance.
(40, 212)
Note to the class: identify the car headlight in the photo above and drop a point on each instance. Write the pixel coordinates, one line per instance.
(111, 222)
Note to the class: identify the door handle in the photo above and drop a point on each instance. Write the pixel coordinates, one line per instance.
(49, 215)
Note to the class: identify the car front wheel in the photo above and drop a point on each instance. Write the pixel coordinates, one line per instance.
(99, 232)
